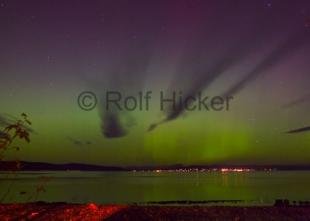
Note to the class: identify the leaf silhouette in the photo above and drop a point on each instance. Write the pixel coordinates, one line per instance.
(15, 130)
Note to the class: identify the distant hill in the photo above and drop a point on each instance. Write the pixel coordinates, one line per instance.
(37, 166)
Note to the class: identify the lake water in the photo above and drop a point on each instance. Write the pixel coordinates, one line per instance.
(256, 187)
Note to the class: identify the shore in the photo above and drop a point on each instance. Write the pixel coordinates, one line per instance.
(93, 212)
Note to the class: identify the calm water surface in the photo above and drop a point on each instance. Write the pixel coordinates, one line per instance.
(141, 187)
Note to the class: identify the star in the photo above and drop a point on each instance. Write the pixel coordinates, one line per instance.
(268, 5)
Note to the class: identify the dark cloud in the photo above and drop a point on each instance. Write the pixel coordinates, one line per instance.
(125, 75)
(111, 126)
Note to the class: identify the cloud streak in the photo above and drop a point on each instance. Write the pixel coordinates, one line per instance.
(299, 130)
(284, 50)
(298, 101)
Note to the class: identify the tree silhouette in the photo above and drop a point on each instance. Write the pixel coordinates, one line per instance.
(13, 131)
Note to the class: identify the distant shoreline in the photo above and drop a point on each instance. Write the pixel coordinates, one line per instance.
(41, 166)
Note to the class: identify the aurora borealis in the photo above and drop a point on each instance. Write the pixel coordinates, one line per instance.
(256, 51)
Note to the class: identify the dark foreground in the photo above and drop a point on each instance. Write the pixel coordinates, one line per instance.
(62, 211)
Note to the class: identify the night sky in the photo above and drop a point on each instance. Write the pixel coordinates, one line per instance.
(256, 51)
